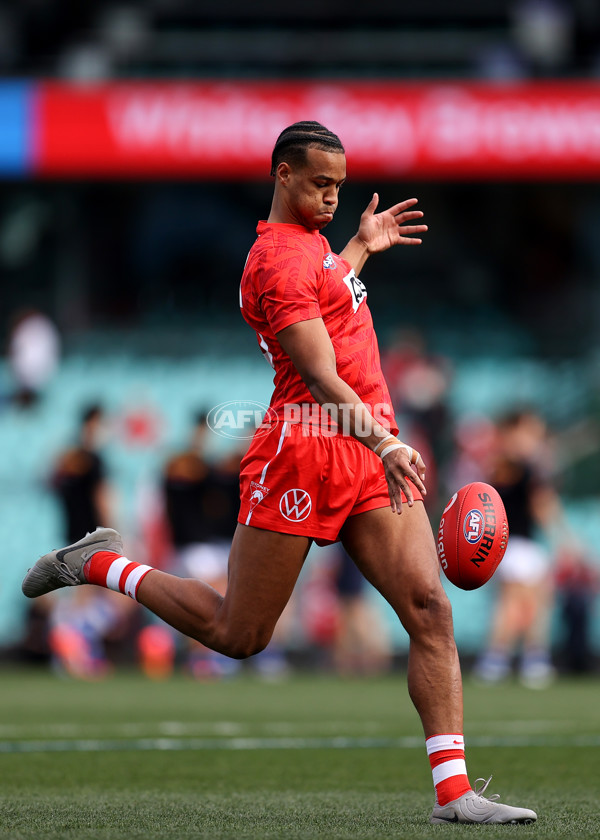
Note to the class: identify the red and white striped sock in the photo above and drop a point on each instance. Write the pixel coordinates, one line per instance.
(111, 570)
(447, 758)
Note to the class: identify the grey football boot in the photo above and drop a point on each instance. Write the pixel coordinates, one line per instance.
(472, 807)
(64, 566)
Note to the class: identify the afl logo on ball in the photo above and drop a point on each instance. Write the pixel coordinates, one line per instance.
(473, 526)
(295, 505)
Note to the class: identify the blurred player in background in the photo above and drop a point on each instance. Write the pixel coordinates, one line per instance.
(201, 505)
(577, 585)
(79, 478)
(419, 383)
(322, 474)
(82, 620)
(521, 471)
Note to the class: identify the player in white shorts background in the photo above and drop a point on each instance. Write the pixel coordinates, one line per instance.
(520, 624)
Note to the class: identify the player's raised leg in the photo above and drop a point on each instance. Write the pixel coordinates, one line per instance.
(397, 555)
(263, 569)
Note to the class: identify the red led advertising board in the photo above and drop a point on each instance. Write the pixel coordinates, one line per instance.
(226, 130)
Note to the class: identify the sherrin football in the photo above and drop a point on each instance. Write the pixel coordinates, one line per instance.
(473, 535)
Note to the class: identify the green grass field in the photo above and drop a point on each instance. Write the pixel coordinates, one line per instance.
(308, 757)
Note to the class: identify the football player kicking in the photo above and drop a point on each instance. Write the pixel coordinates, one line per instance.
(326, 465)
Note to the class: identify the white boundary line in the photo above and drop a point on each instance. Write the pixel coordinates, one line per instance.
(343, 743)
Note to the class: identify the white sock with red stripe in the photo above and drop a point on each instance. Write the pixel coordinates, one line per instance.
(447, 758)
(109, 569)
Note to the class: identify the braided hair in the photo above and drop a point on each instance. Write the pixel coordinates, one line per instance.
(294, 140)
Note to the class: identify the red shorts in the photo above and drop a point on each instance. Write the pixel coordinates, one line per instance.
(294, 482)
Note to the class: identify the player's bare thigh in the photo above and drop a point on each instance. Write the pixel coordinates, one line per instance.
(263, 569)
(397, 554)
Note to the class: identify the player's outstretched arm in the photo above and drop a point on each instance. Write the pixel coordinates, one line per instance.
(380, 231)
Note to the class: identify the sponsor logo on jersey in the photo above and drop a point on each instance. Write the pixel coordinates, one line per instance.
(257, 493)
(295, 505)
(473, 526)
(329, 261)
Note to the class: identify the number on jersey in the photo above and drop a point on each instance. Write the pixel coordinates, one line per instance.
(357, 289)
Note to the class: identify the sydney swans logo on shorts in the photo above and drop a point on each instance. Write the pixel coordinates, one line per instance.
(329, 262)
(473, 526)
(295, 505)
(257, 493)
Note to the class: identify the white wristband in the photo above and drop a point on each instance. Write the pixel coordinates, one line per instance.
(393, 446)
(385, 442)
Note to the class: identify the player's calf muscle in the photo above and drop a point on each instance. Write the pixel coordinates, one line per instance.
(190, 606)
(200, 612)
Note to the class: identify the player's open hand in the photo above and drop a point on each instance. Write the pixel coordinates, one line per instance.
(380, 231)
(398, 468)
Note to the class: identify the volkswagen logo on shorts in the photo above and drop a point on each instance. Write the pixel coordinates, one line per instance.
(473, 526)
(240, 419)
(295, 505)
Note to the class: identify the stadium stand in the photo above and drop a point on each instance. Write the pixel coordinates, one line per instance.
(182, 38)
